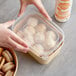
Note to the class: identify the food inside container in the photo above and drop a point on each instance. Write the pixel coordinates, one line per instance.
(41, 36)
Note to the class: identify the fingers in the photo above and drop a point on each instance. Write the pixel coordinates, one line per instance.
(3, 44)
(17, 39)
(17, 46)
(22, 8)
(38, 4)
(41, 8)
(9, 23)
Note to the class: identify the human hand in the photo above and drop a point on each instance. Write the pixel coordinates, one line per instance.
(37, 3)
(9, 39)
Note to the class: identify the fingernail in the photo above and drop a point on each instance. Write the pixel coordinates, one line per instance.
(25, 46)
(25, 50)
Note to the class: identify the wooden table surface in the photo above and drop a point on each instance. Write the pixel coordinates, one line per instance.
(65, 63)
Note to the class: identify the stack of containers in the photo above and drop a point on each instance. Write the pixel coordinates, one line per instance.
(63, 10)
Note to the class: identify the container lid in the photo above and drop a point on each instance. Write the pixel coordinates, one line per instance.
(42, 36)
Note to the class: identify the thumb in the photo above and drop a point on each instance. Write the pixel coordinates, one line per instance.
(22, 8)
(9, 23)
(41, 8)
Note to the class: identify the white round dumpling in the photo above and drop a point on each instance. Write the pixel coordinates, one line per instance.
(49, 44)
(39, 37)
(20, 34)
(29, 40)
(52, 33)
(32, 21)
(49, 41)
(26, 32)
(41, 27)
(30, 29)
(38, 48)
(28, 37)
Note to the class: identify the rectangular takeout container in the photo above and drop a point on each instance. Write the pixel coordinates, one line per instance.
(23, 22)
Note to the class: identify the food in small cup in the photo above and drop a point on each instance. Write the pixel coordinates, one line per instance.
(8, 65)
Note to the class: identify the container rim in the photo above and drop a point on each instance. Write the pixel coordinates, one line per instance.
(50, 22)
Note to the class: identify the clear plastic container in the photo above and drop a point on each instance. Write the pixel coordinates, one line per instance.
(44, 38)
